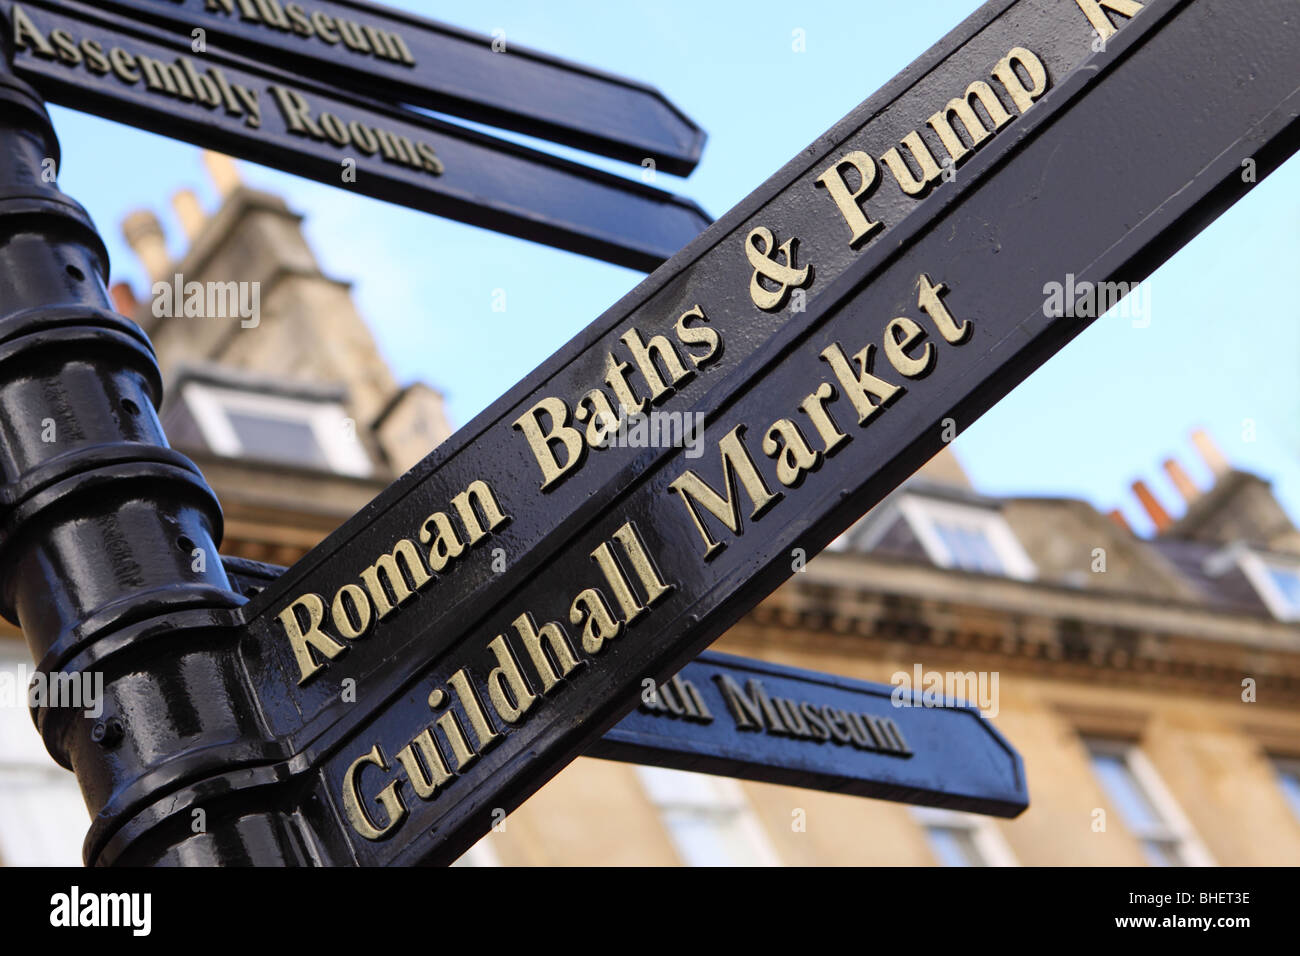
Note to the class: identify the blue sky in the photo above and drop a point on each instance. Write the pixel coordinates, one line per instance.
(1222, 350)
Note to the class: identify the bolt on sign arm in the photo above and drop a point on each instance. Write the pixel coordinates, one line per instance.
(108, 538)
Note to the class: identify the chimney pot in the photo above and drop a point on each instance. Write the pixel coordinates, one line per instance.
(1182, 480)
(189, 211)
(145, 235)
(1151, 504)
(224, 172)
(1210, 453)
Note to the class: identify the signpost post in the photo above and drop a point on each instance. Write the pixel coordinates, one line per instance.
(820, 340)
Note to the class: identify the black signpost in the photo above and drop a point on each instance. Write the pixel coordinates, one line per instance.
(818, 338)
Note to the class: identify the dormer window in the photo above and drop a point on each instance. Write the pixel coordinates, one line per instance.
(966, 535)
(1276, 578)
(297, 431)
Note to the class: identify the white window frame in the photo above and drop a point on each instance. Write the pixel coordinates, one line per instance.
(923, 514)
(989, 842)
(1174, 827)
(723, 798)
(1256, 568)
(208, 403)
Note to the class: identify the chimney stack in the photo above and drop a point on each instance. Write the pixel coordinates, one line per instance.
(224, 172)
(144, 234)
(1182, 480)
(1210, 453)
(124, 299)
(1151, 504)
(189, 212)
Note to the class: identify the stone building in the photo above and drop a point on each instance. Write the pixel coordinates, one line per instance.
(1152, 685)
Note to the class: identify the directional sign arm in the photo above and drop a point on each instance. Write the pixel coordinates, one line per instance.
(402, 58)
(265, 115)
(750, 719)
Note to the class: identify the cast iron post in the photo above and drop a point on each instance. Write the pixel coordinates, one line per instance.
(108, 549)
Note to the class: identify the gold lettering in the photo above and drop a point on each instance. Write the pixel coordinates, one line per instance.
(941, 121)
(303, 644)
(25, 32)
(814, 406)
(508, 689)
(900, 334)
(396, 580)
(627, 602)
(930, 303)
(1005, 73)
(1093, 10)
(123, 65)
(467, 694)
(642, 565)
(849, 202)
(592, 614)
(445, 544)
(324, 27)
(858, 386)
(603, 419)
(549, 643)
(616, 378)
(478, 493)
(705, 336)
(424, 782)
(360, 608)
(794, 459)
(452, 730)
(736, 463)
(646, 355)
(930, 170)
(389, 798)
(540, 440)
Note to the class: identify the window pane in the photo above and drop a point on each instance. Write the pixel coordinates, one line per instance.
(707, 824)
(703, 839)
(277, 439)
(969, 547)
(954, 846)
(1125, 792)
(1286, 580)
